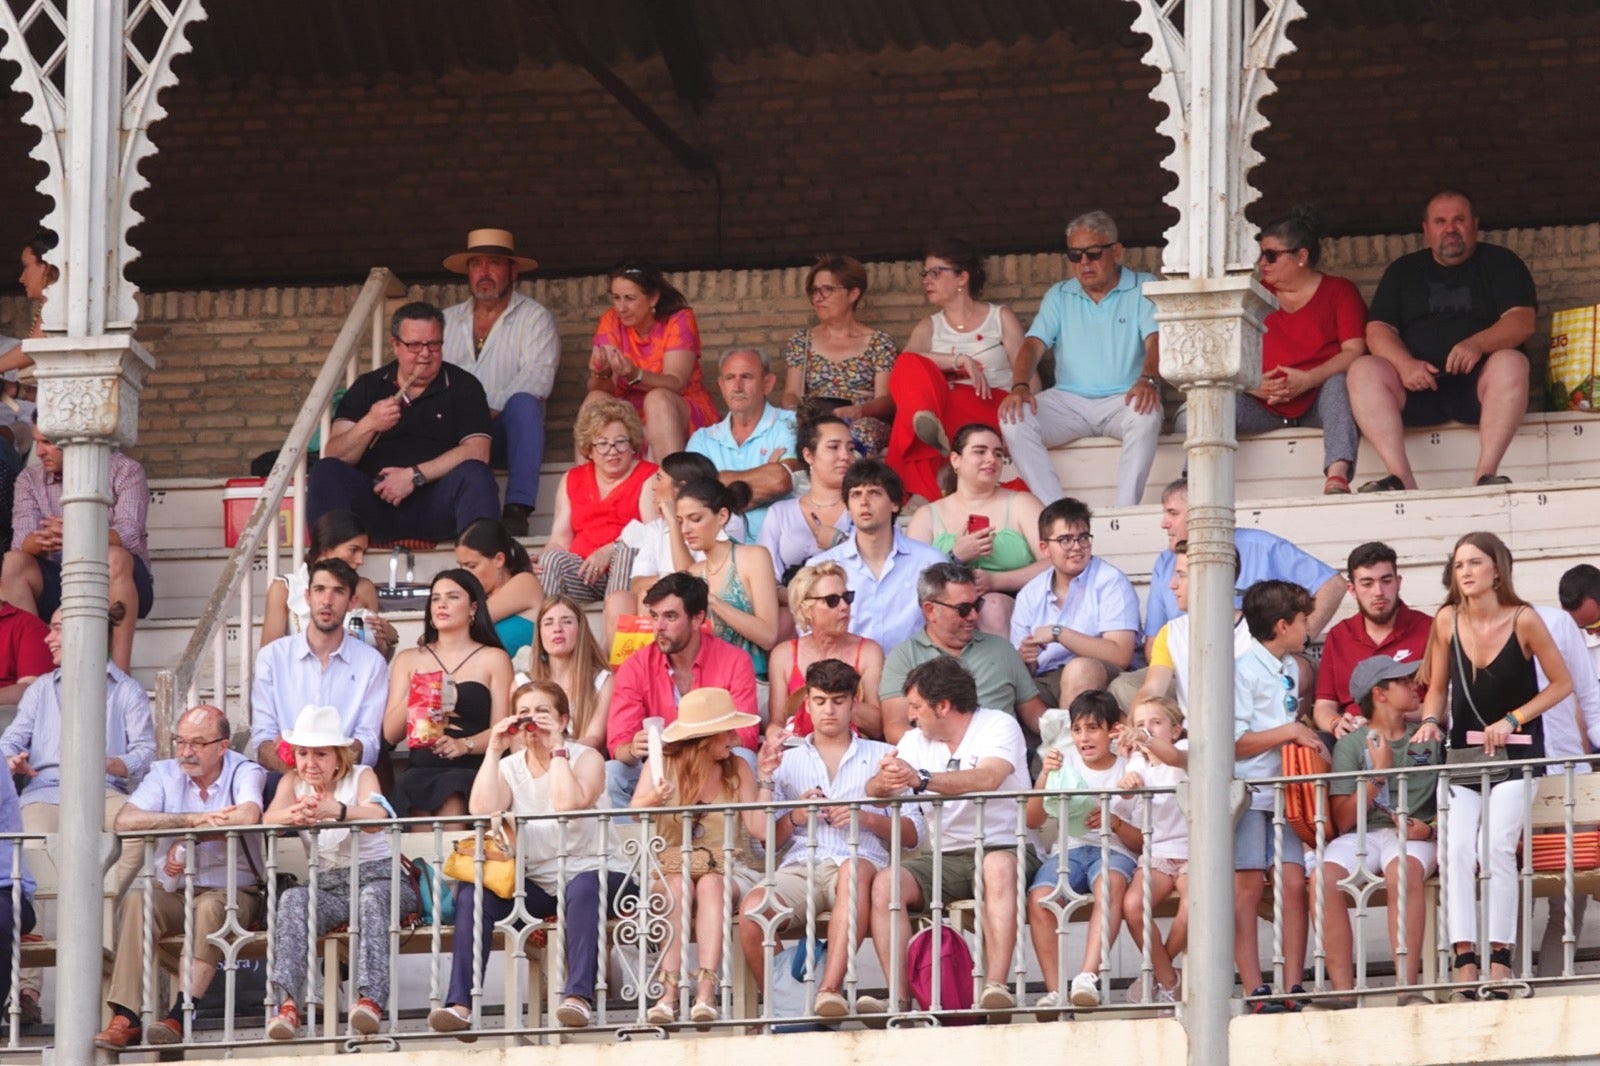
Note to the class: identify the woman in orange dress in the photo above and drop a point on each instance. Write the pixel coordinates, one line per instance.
(647, 352)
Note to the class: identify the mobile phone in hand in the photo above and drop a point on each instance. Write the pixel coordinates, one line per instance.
(977, 523)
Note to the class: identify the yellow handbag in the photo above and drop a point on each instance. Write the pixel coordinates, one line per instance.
(499, 859)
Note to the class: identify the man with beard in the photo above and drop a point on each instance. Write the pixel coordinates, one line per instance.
(1382, 625)
(322, 666)
(206, 788)
(682, 658)
(510, 343)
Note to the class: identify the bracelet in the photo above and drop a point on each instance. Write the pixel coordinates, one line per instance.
(1021, 385)
(469, 745)
(343, 811)
(1430, 720)
(1515, 720)
(767, 784)
(1151, 379)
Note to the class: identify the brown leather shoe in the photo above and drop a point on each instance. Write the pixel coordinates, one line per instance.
(118, 1035)
(165, 1031)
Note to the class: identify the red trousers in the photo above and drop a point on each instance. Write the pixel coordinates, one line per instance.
(917, 384)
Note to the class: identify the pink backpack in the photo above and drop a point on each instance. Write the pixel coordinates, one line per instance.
(954, 963)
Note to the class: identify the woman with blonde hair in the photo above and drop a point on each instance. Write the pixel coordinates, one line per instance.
(1483, 649)
(328, 785)
(566, 653)
(820, 598)
(594, 501)
(700, 770)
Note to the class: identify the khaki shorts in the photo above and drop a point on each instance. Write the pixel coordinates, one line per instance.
(789, 885)
(957, 873)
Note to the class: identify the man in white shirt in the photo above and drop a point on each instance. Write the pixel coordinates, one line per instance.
(832, 763)
(322, 666)
(206, 788)
(510, 343)
(957, 748)
(1075, 624)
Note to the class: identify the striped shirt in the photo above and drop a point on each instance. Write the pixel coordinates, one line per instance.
(521, 353)
(803, 769)
(38, 496)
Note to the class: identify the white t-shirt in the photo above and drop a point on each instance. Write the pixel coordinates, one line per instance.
(653, 553)
(544, 839)
(1169, 830)
(1075, 774)
(991, 734)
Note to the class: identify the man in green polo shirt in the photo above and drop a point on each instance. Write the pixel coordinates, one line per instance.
(950, 604)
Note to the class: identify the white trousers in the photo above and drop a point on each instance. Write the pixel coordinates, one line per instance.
(1064, 417)
(1507, 808)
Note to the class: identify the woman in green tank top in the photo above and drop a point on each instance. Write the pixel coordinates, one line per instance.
(991, 529)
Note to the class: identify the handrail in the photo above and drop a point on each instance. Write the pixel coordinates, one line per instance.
(176, 687)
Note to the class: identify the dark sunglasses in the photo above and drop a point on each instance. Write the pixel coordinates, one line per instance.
(833, 599)
(963, 609)
(1092, 253)
(1270, 255)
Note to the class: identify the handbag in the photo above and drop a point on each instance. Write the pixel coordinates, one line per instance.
(1474, 753)
(499, 859)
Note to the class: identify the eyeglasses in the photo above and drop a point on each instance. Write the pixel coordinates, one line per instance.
(621, 444)
(823, 291)
(418, 347)
(1270, 255)
(952, 765)
(833, 599)
(963, 609)
(933, 272)
(1071, 540)
(1092, 253)
(184, 744)
(1291, 702)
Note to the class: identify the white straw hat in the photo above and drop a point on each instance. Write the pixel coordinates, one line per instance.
(318, 727)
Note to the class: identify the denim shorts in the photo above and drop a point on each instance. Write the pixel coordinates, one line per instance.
(1254, 840)
(1083, 868)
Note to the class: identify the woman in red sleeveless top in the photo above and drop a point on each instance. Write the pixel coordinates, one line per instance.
(595, 501)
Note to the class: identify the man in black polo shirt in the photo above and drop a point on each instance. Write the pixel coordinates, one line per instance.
(409, 448)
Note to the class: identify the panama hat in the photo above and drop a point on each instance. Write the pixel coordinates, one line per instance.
(706, 712)
(318, 727)
(489, 242)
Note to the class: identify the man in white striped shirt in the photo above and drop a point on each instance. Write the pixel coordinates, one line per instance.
(832, 763)
(510, 343)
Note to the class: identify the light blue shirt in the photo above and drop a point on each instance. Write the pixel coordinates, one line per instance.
(1100, 600)
(289, 677)
(886, 608)
(774, 433)
(1262, 684)
(130, 733)
(1099, 347)
(1262, 555)
(166, 789)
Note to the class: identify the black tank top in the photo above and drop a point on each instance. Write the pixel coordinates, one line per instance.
(1505, 684)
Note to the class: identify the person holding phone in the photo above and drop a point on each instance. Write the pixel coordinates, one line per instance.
(984, 526)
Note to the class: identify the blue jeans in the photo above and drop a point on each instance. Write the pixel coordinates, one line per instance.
(517, 446)
(437, 511)
(9, 934)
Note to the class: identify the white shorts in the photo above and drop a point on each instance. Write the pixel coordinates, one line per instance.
(1383, 847)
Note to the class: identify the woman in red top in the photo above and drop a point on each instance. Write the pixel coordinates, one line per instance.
(595, 501)
(647, 351)
(1312, 338)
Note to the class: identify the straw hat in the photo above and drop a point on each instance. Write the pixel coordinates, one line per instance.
(706, 712)
(489, 242)
(318, 727)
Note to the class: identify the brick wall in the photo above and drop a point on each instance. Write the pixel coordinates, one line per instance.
(233, 366)
(298, 181)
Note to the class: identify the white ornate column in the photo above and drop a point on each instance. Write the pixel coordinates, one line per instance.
(94, 134)
(1210, 310)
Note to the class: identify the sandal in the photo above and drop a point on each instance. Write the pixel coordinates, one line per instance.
(1499, 957)
(1464, 959)
(704, 1012)
(665, 1010)
(1384, 484)
(1336, 486)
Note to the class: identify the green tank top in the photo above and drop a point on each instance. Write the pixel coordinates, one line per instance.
(1010, 551)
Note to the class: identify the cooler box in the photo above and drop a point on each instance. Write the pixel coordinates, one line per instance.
(239, 498)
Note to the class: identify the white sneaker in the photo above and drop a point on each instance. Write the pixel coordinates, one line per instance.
(996, 996)
(1085, 990)
(1047, 1008)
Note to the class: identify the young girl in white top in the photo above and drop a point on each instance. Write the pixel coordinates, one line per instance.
(1157, 758)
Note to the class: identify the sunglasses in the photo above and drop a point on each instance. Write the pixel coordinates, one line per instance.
(1270, 255)
(965, 610)
(1291, 702)
(833, 599)
(1092, 253)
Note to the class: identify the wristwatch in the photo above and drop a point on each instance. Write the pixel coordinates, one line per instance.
(1055, 634)
(559, 753)
(418, 478)
(923, 778)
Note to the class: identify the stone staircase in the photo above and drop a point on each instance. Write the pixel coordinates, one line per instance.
(1546, 515)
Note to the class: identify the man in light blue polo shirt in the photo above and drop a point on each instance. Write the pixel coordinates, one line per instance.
(755, 443)
(1102, 329)
(881, 564)
(1075, 624)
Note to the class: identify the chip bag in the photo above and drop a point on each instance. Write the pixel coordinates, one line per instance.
(428, 708)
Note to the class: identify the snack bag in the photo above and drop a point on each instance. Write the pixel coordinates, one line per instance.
(1574, 341)
(425, 710)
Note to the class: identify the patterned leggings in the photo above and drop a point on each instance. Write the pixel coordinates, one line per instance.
(560, 574)
(333, 909)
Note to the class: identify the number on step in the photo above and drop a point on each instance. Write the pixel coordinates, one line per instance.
(1577, 429)
(1541, 499)
(1115, 524)
(1434, 438)
(1399, 508)
(1292, 443)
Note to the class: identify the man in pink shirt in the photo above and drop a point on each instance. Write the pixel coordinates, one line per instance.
(684, 657)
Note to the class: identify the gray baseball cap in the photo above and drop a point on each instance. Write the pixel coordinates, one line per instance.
(1375, 670)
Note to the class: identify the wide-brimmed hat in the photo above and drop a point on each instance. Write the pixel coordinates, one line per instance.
(318, 727)
(706, 712)
(489, 242)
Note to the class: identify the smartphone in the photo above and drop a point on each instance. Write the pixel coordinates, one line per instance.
(976, 523)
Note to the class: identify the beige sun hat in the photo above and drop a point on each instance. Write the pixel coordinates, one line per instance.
(318, 727)
(706, 712)
(489, 242)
